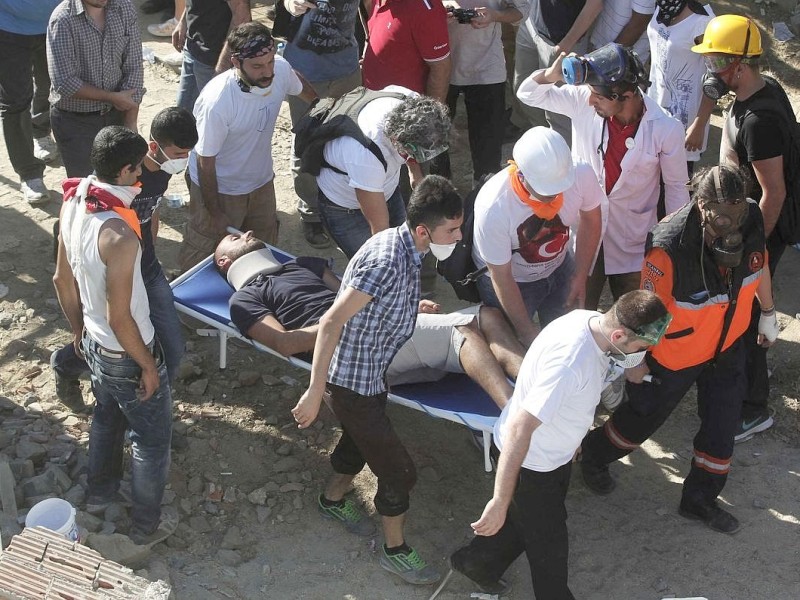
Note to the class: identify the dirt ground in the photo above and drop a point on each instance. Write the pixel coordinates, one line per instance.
(235, 427)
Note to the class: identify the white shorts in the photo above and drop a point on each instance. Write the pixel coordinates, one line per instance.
(434, 348)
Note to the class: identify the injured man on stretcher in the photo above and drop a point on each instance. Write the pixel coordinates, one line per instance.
(280, 305)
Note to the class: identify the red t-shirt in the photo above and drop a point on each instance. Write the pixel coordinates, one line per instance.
(403, 34)
(618, 134)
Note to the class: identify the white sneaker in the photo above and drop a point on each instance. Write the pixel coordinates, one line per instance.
(174, 59)
(164, 29)
(35, 192)
(44, 148)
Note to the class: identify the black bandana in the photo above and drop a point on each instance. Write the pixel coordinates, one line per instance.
(669, 9)
(255, 47)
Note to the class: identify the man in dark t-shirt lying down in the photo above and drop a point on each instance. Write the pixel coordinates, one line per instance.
(280, 305)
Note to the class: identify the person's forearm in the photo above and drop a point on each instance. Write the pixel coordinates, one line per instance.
(704, 112)
(309, 94)
(586, 245)
(581, 25)
(438, 79)
(513, 305)
(208, 188)
(240, 13)
(90, 92)
(771, 206)
(68, 298)
(634, 29)
(130, 119)
(764, 289)
(506, 15)
(127, 333)
(514, 450)
(328, 336)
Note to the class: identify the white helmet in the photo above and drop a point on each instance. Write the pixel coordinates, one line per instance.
(544, 159)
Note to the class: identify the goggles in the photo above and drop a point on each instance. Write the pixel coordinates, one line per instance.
(422, 155)
(650, 333)
(718, 64)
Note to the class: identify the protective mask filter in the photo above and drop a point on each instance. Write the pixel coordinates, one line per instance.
(723, 222)
(713, 86)
(442, 251)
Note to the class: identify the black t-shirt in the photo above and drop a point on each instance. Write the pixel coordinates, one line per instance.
(154, 184)
(761, 134)
(207, 23)
(554, 18)
(296, 296)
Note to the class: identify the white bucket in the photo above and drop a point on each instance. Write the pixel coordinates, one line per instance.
(56, 515)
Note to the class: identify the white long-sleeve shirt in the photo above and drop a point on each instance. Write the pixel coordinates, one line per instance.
(658, 152)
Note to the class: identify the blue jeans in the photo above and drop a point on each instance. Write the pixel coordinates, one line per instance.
(546, 296)
(164, 317)
(194, 77)
(115, 382)
(348, 227)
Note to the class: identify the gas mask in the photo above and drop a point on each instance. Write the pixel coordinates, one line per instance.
(723, 221)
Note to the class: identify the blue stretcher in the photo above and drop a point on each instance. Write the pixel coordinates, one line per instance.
(203, 294)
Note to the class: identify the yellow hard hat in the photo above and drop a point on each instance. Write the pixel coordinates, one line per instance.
(730, 34)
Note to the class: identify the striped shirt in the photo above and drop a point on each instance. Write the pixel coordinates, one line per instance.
(79, 53)
(386, 268)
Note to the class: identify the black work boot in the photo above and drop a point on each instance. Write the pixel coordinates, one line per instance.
(315, 235)
(68, 391)
(597, 477)
(712, 515)
(461, 563)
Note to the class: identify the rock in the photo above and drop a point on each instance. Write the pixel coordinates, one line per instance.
(6, 320)
(169, 497)
(284, 450)
(248, 378)
(22, 468)
(270, 380)
(27, 450)
(41, 485)
(195, 485)
(31, 398)
(297, 503)
(759, 503)
(199, 524)
(258, 496)
(108, 528)
(115, 513)
(76, 495)
(7, 403)
(185, 370)
(430, 474)
(88, 521)
(119, 548)
(232, 539)
(9, 527)
(271, 487)
(214, 492)
(292, 487)
(287, 464)
(660, 585)
(8, 497)
(263, 513)
(197, 388)
(271, 420)
(229, 558)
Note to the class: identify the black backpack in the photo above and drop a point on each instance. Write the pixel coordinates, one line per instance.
(788, 225)
(333, 118)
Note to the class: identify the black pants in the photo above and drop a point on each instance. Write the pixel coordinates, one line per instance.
(486, 125)
(537, 525)
(755, 403)
(369, 438)
(24, 108)
(720, 391)
(75, 134)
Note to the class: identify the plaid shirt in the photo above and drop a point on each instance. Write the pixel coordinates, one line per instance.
(387, 268)
(79, 53)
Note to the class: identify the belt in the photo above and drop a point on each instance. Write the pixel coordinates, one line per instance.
(108, 353)
(348, 211)
(91, 113)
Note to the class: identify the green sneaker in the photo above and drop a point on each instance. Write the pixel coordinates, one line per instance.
(348, 515)
(410, 566)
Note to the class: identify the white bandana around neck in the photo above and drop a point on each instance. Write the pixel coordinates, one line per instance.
(246, 268)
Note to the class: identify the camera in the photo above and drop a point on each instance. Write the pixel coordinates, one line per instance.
(463, 15)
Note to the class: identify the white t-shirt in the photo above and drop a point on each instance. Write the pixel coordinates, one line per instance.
(676, 72)
(613, 19)
(477, 54)
(559, 383)
(364, 170)
(501, 220)
(236, 127)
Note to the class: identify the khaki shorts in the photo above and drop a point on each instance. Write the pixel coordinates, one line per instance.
(433, 350)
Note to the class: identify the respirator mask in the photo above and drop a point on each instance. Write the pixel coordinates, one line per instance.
(723, 221)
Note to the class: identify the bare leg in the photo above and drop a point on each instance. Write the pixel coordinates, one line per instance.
(393, 530)
(502, 342)
(338, 486)
(480, 364)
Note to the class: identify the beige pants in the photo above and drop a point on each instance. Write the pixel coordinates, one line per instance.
(255, 211)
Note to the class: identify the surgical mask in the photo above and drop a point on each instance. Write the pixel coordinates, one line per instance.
(630, 360)
(442, 251)
(172, 166)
